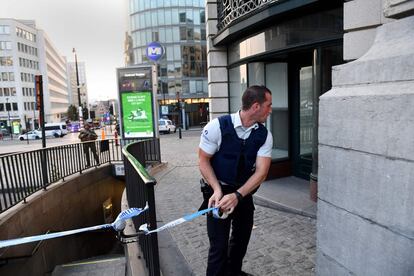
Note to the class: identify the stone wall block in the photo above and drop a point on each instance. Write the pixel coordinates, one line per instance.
(374, 187)
(362, 13)
(328, 266)
(211, 11)
(217, 58)
(391, 58)
(374, 118)
(219, 105)
(217, 74)
(360, 246)
(211, 27)
(357, 43)
(218, 90)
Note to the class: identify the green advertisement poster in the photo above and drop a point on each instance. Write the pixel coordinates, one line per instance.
(137, 114)
(16, 127)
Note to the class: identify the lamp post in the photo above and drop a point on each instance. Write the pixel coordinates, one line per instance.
(78, 88)
(8, 107)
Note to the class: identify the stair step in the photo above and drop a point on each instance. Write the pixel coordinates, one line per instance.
(103, 266)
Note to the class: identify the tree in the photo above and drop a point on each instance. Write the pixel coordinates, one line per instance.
(73, 113)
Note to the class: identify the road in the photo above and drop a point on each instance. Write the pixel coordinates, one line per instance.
(15, 145)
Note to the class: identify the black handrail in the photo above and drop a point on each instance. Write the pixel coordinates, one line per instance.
(140, 190)
(24, 173)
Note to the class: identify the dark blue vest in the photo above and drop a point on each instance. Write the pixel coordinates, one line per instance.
(235, 162)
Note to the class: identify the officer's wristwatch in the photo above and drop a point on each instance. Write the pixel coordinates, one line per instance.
(238, 195)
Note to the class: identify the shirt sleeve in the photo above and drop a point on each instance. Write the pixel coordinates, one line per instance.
(266, 149)
(211, 137)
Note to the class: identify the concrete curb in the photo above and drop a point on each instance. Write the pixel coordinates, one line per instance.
(281, 207)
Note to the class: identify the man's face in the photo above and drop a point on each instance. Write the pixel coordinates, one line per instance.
(264, 109)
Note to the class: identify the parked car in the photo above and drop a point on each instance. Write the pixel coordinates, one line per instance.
(31, 135)
(55, 130)
(166, 126)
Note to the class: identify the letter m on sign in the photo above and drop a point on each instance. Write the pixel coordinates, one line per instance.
(154, 51)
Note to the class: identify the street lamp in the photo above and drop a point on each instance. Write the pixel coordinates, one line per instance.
(78, 88)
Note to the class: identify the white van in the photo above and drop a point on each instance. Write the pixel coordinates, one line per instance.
(55, 129)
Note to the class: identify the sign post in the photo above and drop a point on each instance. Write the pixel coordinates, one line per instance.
(40, 106)
(155, 51)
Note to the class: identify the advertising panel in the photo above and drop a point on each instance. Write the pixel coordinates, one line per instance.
(136, 104)
(137, 118)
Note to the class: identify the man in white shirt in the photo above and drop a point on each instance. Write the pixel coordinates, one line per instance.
(234, 159)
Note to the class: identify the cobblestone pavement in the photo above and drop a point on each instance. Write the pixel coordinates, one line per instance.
(281, 243)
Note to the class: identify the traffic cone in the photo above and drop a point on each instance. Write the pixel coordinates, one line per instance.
(102, 133)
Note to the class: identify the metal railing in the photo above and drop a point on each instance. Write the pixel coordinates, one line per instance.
(230, 10)
(22, 174)
(140, 190)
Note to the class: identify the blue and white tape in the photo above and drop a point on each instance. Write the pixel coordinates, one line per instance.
(215, 210)
(117, 225)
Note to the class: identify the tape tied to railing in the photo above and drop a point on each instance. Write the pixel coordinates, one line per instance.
(215, 211)
(117, 225)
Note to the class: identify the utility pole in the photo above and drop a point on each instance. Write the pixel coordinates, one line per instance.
(78, 88)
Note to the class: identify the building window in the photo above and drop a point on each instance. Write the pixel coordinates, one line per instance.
(15, 107)
(6, 61)
(5, 76)
(237, 84)
(182, 17)
(155, 36)
(1, 107)
(183, 33)
(5, 45)
(4, 29)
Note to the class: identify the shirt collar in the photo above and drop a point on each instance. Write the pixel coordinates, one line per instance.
(238, 123)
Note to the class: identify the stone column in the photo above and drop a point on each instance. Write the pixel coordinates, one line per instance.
(216, 66)
(366, 157)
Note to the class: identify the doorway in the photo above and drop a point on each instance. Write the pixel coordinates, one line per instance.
(310, 75)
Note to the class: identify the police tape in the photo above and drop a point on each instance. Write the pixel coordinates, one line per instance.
(117, 225)
(215, 211)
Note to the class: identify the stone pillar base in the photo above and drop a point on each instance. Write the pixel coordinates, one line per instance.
(313, 188)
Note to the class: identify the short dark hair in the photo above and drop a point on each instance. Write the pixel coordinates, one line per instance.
(253, 94)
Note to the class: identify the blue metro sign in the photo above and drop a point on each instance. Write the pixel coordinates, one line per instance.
(155, 51)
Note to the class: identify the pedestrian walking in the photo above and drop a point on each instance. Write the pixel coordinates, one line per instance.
(234, 158)
(88, 136)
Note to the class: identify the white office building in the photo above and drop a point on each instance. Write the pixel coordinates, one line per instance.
(25, 52)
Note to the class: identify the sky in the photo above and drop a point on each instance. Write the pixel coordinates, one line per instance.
(96, 28)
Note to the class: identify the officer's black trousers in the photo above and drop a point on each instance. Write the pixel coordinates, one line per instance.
(226, 255)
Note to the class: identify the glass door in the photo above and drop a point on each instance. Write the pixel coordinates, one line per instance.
(301, 90)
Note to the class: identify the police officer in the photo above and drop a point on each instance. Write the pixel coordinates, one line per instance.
(234, 158)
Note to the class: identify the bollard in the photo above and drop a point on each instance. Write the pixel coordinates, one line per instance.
(179, 133)
(103, 133)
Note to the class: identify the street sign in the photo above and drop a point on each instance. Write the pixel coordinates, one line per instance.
(155, 51)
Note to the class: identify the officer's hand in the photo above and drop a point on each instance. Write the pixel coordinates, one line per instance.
(215, 198)
(228, 202)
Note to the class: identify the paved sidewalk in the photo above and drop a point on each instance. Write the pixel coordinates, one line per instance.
(282, 243)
